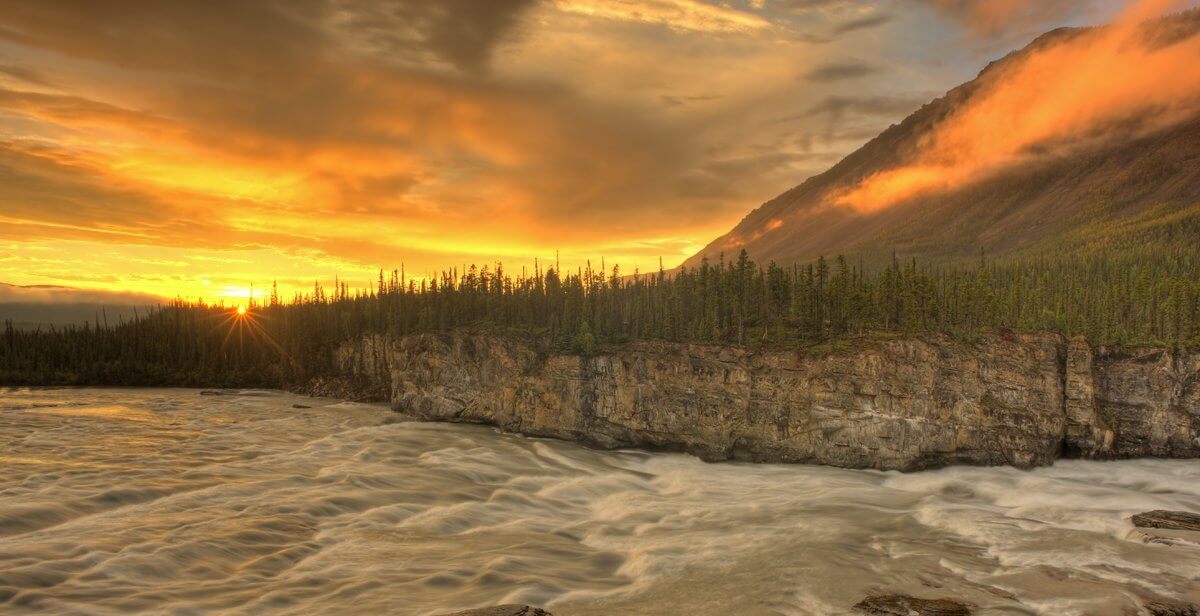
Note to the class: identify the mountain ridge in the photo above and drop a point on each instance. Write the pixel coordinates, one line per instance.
(1118, 176)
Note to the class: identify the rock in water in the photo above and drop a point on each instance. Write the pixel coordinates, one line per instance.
(504, 610)
(903, 605)
(1171, 608)
(1167, 537)
(1171, 520)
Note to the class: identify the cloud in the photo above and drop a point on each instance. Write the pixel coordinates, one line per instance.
(862, 23)
(55, 294)
(840, 71)
(815, 5)
(855, 117)
(860, 20)
(1068, 89)
(837, 106)
(692, 15)
(258, 134)
(726, 178)
(73, 110)
(370, 138)
(23, 74)
(33, 306)
(55, 190)
(680, 100)
(238, 39)
(461, 32)
(993, 17)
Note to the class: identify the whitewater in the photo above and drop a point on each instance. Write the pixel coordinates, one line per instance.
(166, 501)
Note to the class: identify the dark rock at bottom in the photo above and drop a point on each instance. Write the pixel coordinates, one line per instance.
(1171, 608)
(904, 605)
(1169, 520)
(503, 610)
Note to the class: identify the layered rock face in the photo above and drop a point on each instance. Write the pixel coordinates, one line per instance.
(907, 404)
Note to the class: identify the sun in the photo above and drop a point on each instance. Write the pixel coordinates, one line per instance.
(241, 310)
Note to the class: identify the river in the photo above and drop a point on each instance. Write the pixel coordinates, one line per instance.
(117, 501)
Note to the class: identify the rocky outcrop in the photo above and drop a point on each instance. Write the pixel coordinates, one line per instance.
(354, 389)
(1170, 528)
(904, 605)
(1171, 608)
(1168, 520)
(1018, 399)
(1150, 399)
(1087, 435)
(503, 610)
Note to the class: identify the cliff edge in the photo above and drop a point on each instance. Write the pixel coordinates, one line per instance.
(907, 404)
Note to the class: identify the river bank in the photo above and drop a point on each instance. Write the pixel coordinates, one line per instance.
(1023, 400)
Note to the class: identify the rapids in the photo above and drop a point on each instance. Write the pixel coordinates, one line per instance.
(116, 501)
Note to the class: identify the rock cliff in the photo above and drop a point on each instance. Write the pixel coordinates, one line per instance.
(908, 404)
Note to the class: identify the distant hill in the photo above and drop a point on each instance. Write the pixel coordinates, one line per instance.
(1124, 190)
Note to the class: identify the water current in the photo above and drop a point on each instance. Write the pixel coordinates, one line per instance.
(117, 501)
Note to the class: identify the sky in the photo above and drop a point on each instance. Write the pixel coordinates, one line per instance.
(200, 149)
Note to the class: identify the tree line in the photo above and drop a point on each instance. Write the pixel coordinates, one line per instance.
(1129, 300)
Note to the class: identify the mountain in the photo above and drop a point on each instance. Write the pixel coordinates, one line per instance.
(1120, 186)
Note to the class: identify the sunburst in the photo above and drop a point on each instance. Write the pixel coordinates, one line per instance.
(246, 323)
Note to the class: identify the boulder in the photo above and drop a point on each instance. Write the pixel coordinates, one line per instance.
(503, 610)
(1169, 520)
(904, 605)
(1171, 608)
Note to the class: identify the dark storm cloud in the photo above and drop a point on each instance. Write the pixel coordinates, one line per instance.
(839, 71)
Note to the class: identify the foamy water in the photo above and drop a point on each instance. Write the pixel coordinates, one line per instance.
(164, 501)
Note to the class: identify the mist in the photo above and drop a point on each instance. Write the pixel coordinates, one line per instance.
(1135, 75)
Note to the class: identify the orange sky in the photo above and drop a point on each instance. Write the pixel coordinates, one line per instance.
(198, 149)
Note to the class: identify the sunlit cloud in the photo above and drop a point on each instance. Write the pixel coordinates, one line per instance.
(682, 14)
(238, 144)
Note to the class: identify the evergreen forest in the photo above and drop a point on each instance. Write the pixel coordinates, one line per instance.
(1142, 300)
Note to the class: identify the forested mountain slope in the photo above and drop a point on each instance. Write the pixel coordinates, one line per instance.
(1121, 185)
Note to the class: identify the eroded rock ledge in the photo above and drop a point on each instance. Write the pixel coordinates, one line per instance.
(909, 404)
